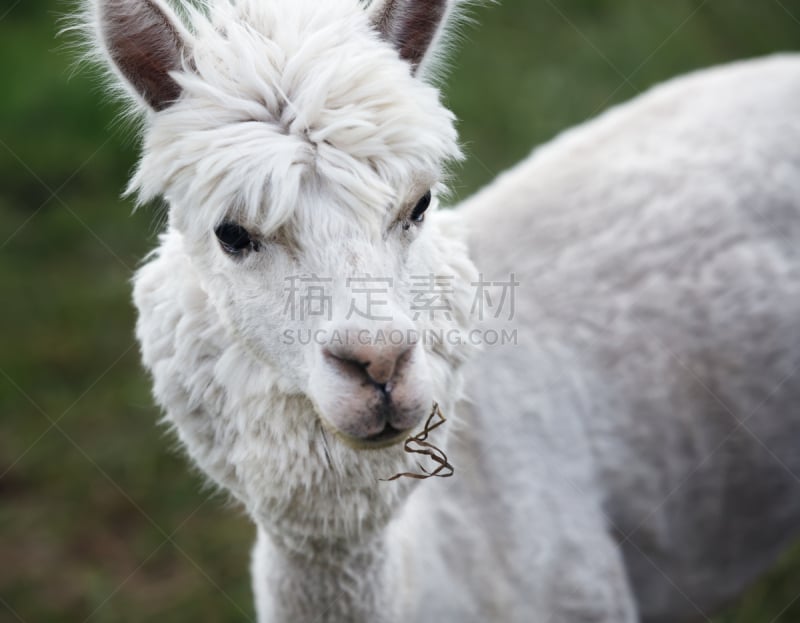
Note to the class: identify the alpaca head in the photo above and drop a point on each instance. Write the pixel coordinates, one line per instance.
(300, 151)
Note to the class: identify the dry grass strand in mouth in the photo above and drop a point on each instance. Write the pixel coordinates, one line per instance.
(419, 444)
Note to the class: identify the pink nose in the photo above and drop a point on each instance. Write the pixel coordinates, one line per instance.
(372, 364)
(372, 391)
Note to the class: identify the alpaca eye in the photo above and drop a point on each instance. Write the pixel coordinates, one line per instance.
(235, 239)
(418, 214)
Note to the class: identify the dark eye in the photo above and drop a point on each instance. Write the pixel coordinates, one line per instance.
(418, 215)
(235, 239)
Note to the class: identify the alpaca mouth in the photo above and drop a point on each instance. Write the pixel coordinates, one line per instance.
(389, 436)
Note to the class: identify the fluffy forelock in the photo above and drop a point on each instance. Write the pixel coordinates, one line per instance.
(285, 102)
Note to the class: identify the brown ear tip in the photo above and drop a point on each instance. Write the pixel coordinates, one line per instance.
(411, 26)
(145, 44)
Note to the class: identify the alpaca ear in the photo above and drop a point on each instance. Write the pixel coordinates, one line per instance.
(145, 42)
(411, 26)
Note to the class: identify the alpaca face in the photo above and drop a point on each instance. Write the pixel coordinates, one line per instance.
(328, 304)
(302, 158)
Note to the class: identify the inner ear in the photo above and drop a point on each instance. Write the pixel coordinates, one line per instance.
(144, 40)
(410, 25)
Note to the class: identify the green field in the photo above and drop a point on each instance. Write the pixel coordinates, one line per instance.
(101, 518)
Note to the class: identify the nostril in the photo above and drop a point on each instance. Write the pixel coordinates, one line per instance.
(377, 366)
(340, 360)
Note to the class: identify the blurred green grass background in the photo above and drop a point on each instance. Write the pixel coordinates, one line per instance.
(101, 519)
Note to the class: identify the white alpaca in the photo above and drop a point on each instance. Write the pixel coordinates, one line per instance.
(628, 461)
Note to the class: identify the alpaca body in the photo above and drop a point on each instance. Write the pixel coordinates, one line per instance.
(654, 393)
(604, 464)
